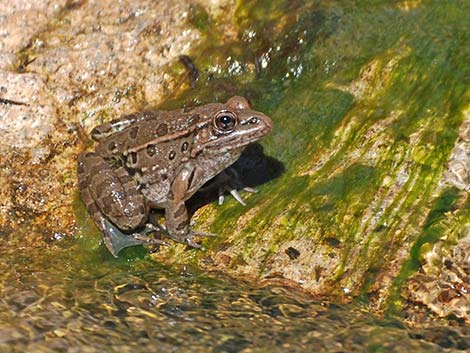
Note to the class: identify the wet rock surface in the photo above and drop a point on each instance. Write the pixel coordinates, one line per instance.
(443, 283)
(374, 149)
(69, 65)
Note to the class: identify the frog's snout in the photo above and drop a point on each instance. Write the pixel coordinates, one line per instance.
(264, 122)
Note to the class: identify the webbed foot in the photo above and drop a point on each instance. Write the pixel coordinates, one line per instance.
(115, 240)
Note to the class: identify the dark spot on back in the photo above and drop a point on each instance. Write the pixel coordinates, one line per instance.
(184, 146)
(162, 129)
(172, 155)
(112, 146)
(115, 162)
(151, 151)
(133, 132)
(132, 157)
(194, 119)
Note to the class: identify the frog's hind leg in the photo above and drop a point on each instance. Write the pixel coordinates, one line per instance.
(115, 204)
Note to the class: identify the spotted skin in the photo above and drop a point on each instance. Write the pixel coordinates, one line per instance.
(159, 159)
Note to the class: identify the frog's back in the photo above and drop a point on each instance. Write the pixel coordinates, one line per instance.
(129, 131)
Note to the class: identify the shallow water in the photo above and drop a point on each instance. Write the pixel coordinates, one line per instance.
(76, 301)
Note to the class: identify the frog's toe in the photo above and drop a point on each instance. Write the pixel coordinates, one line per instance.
(233, 192)
(232, 183)
(147, 240)
(236, 195)
(151, 227)
(190, 241)
(250, 190)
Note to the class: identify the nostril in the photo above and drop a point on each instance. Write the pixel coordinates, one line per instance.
(254, 120)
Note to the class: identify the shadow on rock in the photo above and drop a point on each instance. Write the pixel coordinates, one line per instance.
(253, 168)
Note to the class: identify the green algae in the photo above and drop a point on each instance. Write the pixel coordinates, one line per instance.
(445, 221)
(366, 99)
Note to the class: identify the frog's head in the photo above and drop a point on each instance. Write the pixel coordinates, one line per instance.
(231, 126)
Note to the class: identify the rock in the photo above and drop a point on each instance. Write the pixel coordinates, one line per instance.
(71, 65)
(370, 125)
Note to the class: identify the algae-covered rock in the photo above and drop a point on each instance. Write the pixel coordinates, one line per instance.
(70, 65)
(369, 104)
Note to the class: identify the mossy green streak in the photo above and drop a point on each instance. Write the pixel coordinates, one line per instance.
(367, 99)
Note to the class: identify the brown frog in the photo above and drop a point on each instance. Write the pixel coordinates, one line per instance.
(159, 159)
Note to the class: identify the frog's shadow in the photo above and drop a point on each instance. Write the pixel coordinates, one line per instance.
(253, 167)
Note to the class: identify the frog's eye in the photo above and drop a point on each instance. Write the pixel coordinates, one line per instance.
(225, 122)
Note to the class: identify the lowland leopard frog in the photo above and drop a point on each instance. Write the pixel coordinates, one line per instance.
(159, 159)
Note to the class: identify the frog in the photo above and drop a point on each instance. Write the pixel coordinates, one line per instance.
(158, 159)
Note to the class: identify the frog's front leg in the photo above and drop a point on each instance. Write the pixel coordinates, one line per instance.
(176, 212)
(115, 204)
(229, 181)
